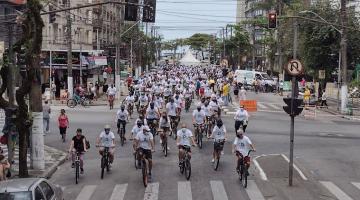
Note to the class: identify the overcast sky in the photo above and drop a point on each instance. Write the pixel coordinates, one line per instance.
(182, 18)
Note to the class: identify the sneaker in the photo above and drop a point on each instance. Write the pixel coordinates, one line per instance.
(213, 160)
(72, 165)
(81, 170)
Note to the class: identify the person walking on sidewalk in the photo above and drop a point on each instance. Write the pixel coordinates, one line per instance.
(4, 166)
(63, 124)
(323, 99)
(46, 116)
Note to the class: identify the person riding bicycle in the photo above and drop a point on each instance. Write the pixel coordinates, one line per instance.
(219, 135)
(143, 100)
(183, 141)
(179, 104)
(78, 144)
(122, 116)
(241, 146)
(136, 128)
(152, 114)
(106, 139)
(199, 118)
(164, 125)
(144, 142)
(241, 119)
(214, 106)
(167, 93)
(130, 99)
(171, 110)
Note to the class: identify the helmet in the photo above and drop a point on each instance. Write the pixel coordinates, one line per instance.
(122, 107)
(107, 126)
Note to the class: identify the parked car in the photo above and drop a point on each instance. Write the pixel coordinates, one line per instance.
(30, 189)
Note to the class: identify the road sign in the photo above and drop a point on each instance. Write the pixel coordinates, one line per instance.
(321, 74)
(294, 67)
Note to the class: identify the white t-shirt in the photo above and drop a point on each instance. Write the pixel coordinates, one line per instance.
(135, 130)
(241, 115)
(214, 106)
(171, 109)
(151, 113)
(130, 99)
(144, 140)
(122, 115)
(185, 137)
(219, 133)
(207, 110)
(106, 139)
(104, 74)
(111, 91)
(242, 145)
(199, 116)
(143, 100)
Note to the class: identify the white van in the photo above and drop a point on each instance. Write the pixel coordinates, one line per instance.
(241, 75)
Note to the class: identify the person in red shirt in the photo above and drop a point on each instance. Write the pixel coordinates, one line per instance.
(129, 81)
(63, 124)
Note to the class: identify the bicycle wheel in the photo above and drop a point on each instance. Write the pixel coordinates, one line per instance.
(174, 133)
(144, 173)
(165, 147)
(182, 167)
(85, 102)
(200, 142)
(122, 139)
(217, 160)
(244, 177)
(71, 103)
(136, 161)
(77, 169)
(102, 167)
(187, 169)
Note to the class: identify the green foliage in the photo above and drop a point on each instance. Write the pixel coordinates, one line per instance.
(199, 41)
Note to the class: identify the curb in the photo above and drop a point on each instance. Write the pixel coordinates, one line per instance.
(51, 170)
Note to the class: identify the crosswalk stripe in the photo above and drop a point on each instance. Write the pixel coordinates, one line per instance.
(356, 185)
(86, 192)
(335, 190)
(218, 190)
(253, 191)
(152, 191)
(273, 106)
(261, 106)
(119, 192)
(184, 190)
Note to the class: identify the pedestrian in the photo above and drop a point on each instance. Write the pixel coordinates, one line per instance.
(46, 116)
(242, 93)
(236, 90)
(97, 86)
(4, 167)
(63, 124)
(323, 99)
(307, 95)
(105, 75)
(53, 91)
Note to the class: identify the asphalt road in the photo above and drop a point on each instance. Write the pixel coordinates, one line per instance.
(326, 151)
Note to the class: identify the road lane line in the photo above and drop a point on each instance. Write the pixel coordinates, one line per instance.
(119, 192)
(260, 105)
(356, 184)
(184, 190)
(261, 171)
(276, 107)
(253, 191)
(296, 168)
(218, 190)
(335, 190)
(86, 192)
(152, 191)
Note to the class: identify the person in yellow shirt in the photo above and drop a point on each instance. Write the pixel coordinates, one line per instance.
(226, 92)
(307, 95)
(212, 84)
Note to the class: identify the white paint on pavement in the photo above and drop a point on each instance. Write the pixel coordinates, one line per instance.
(274, 106)
(261, 106)
(152, 191)
(119, 192)
(253, 191)
(184, 190)
(218, 190)
(261, 171)
(356, 184)
(296, 168)
(335, 190)
(86, 192)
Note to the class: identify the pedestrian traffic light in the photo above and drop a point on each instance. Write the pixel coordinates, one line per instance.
(52, 16)
(131, 10)
(297, 109)
(149, 11)
(272, 20)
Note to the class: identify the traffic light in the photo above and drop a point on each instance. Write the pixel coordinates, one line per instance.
(131, 11)
(52, 16)
(297, 109)
(149, 11)
(272, 20)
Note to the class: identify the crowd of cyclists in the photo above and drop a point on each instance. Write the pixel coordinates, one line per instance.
(160, 99)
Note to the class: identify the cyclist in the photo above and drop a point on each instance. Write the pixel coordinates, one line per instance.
(208, 114)
(144, 141)
(130, 100)
(78, 144)
(184, 139)
(152, 114)
(122, 116)
(199, 118)
(241, 119)
(214, 105)
(164, 125)
(167, 93)
(219, 135)
(137, 128)
(171, 110)
(106, 139)
(241, 146)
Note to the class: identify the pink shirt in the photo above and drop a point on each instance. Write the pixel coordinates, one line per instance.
(63, 121)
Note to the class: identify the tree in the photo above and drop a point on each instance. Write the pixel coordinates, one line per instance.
(199, 42)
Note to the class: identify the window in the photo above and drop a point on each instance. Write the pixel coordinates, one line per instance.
(47, 190)
(16, 195)
(38, 194)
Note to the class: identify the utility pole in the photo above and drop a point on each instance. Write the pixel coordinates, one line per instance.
(253, 49)
(223, 33)
(117, 61)
(146, 48)
(11, 80)
(343, 49)
(69, 53)
(131, 54)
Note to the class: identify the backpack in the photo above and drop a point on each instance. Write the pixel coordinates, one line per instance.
(87, 143)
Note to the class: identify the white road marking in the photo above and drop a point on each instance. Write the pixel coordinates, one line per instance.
(231, 113)
(218, 190)
(184, 190)
(296, 168)
(119, 192)
(261, 171)
(356, 185)
(335, 190)
(86, 192)
(152, 191)
(274, 106)
(253, 191)
(260, 105)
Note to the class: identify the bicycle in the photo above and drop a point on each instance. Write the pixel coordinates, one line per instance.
(173, 125)
(77, 166)
(185, 165)
(199, 134)
(164, 145)
(187, 104)
(121, 132)
(219, 146)
(71, 103)
(243, 164)
(141, 164)
(105, 161)
(152, 126)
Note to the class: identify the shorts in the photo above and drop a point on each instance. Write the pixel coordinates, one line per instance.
(120, 122)
(165, 129)
(147, 153)
(111, 149)
(186, 148)
(219, 146)
(62, 130)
